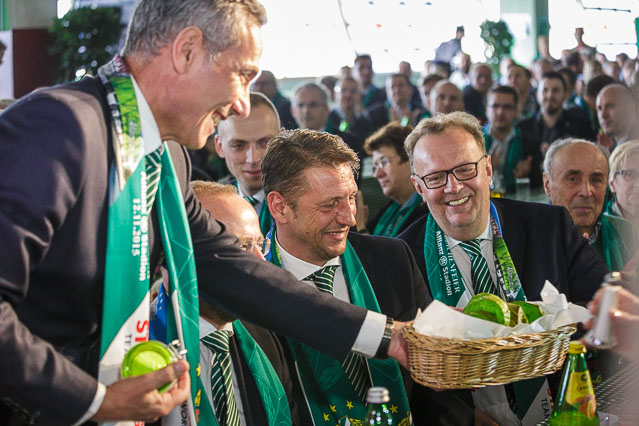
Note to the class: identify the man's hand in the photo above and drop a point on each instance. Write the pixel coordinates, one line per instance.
(522, 169)
(398, 349)
(624, 320)
(137, 398)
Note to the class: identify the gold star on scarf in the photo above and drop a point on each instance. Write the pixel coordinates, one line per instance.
(197, 369)
(326, 418)
(349, 405)
(393, 409)
(333, 409)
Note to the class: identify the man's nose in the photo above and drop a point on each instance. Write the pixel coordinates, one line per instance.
(346, 213)
(242, 106)
(453, 185)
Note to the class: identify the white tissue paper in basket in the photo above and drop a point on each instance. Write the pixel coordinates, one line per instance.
(440, 320)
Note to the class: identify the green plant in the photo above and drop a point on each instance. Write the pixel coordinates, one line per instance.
(498, 39)
(84, 39)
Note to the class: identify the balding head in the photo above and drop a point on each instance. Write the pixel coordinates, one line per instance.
(576, 177)
(617, 111)
(237, 214)
(445, 97)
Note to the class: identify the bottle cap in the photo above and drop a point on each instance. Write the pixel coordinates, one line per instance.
(377, 395)
(146, 357)
(576, 347)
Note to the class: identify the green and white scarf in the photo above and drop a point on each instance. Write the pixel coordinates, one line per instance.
(447, 285)
(395, 216)
(330, 396)
(274, 399)
(620, 239)
(126, 307)
(266, 220)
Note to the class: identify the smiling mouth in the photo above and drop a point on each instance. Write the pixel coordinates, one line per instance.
(457, 202)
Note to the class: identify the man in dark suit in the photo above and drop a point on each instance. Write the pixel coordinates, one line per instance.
(476, 92)
(552, 121)
(60, 176)
(470, 244)
(261, 385)
(267, 84)
(241, 143)
(310, 188)
(363, 72)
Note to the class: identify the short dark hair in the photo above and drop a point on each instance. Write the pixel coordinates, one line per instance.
(506, 90)
(549, 75)
(573, 59)
(567, 72)
(289, 154)
(526, 70)
(597, 83)
(398, 75)
(430, 78)
(362, 56)
(393, 135)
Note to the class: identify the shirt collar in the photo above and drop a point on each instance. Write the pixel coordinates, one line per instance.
(486, 235)
(259, 195)
(298, 267)
(150, 130)
(207, 328)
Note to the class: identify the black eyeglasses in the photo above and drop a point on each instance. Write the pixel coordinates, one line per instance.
(463, 172)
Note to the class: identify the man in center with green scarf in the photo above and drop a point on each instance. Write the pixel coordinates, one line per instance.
(309, 181)
(470, 244)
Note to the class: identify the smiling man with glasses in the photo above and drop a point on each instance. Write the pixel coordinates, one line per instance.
(470, 244)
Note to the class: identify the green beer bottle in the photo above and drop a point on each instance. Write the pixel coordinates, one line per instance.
(576, 405)
(378, 413)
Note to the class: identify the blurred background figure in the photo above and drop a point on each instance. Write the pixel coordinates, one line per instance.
(392, 170)
(267, 85)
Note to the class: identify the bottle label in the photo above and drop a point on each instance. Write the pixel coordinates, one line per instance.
(581, 394)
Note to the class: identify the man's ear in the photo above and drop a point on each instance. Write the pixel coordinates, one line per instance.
(218, 145)
(547, 185)
(418, 187)
(187, 45)
(278, 207)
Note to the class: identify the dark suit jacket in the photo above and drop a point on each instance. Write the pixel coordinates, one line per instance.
(397, 283)
(544, 245)
(420, 211)
(252, 404)
(54, 159)
(570, 123)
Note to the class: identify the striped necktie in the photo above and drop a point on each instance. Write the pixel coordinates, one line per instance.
(354, 365)
(482, 281)
(153, 169)
(222, 392)
(251, 200)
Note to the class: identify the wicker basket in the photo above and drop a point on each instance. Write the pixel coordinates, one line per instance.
(460, 364)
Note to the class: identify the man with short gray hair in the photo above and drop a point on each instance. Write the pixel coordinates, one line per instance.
(470, 244)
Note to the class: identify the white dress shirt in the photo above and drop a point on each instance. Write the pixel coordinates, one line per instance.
(492, 399)
(370, 335)
(206, 362)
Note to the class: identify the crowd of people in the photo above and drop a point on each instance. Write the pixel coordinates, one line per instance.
(254, 247)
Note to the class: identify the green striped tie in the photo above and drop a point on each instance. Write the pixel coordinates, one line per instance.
(354, 365)
(482, 281)
(153, 169)
(251, 200)
(222, 392)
